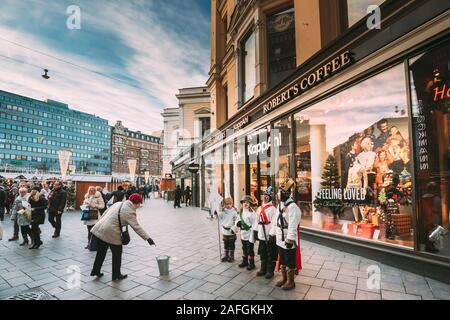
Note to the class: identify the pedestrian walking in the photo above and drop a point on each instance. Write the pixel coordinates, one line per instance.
(38, 204)
(56, 203)
(2, 203)
(105, 201)
(267, 248)
(119, 195)
(21, 214)
(228, 218)
(13, 194)
(108, 231)
(177, 197)
(93, 201)
(288, 236)
(187, 196)
(245, 222)
(45, 191)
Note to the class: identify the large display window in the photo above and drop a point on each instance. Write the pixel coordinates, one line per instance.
(259, 163)
(430, 91)
(352, 156)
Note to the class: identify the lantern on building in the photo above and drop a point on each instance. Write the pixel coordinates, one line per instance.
(132, 167)
(64, 158)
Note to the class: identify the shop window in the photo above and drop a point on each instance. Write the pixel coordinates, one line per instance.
(281, 45)
(282, 155)
(352, 157)
(430, 88)
(248, 67)
(259, 163)
(357, 9)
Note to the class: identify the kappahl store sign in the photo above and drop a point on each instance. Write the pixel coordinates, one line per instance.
(264, 146)
(309, 81)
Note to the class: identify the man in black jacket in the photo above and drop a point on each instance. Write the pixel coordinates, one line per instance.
(178, 195)
(2, 203)
(56, 204)
(119, 195)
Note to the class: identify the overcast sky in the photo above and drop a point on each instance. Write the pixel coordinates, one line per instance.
(147, 49)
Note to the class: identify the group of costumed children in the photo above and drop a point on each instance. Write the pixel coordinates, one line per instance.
(276, 228)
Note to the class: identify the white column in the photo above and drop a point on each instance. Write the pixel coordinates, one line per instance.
(318, 158)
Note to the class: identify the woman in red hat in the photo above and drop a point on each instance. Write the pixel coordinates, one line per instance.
(108, 232)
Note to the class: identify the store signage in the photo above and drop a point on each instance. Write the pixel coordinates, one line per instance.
(308, 82)
(263, 147)
(194, 167)
(219, 136)
(422, 140)
(352, 194)
(242, 123)
(441, 94)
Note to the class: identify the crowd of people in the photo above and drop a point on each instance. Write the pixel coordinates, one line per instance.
(105, 215)
(27, 203)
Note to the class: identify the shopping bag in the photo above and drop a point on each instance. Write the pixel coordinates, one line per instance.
(84, 213)
(92, 246)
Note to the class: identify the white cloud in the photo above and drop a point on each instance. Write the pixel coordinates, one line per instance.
(161, 62)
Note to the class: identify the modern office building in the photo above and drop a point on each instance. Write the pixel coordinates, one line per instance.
(145, 149)
(32, 132)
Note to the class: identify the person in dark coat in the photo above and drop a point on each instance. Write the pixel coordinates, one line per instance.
(38, 205)
(178, 195)
(2, 203)
(119, 195)
(187, 196)
(56, 204)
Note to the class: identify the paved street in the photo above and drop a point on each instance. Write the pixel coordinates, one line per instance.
(196, 272)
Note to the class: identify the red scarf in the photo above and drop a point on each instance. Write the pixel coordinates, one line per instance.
(298, 256)
(263, 213)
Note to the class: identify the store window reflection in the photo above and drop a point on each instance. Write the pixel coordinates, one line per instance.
(281, 139)
(352, 161)
(430, 88)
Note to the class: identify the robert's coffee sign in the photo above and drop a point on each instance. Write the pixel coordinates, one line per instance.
(309, 81)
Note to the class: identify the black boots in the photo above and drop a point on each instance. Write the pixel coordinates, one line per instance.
(231, 256)
(251, 263)
(244, 262)
(226, 256)
(263, 271)
(270, 270)
(119, 277)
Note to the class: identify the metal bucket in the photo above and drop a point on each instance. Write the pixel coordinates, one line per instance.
(163, 265)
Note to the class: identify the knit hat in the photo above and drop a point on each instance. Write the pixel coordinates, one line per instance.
(135, 198)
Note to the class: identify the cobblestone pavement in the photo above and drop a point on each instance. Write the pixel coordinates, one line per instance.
(195, 269)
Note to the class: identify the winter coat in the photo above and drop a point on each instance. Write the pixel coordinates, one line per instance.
(178, 193)
(57, 201)
(291, 215)
(2, 198)
(95, 203)
(38, 209)
(228, 218)
(119, 196)
(268, 230)
(19, 204)
(107, 228)
(249, 218)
